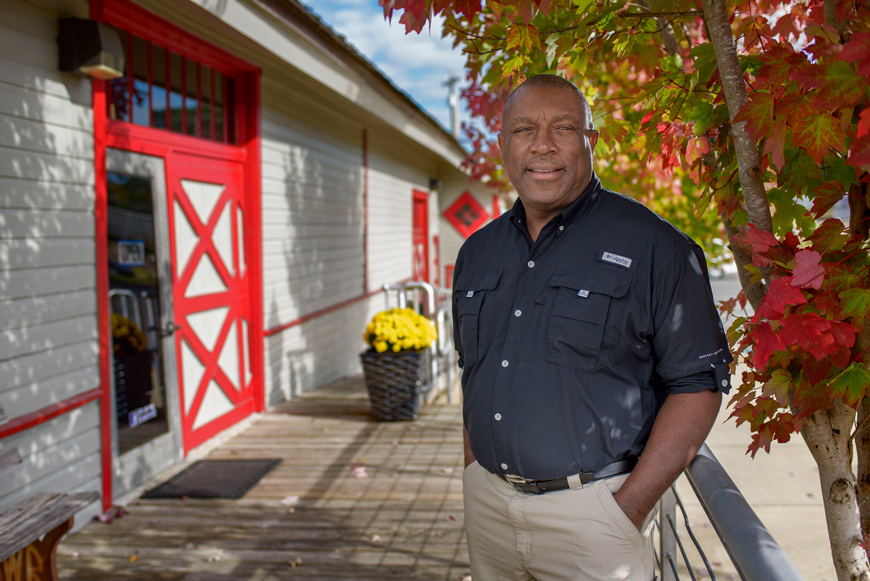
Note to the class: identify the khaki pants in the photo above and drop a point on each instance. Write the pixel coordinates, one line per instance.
(578, 534)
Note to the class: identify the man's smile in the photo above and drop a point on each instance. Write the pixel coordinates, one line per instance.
(545, 172)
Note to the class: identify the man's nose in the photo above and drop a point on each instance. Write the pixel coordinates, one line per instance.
(543, 143)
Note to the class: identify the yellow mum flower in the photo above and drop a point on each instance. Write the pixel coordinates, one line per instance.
(399, 330)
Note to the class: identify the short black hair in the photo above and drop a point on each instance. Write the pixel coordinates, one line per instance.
(546, 81)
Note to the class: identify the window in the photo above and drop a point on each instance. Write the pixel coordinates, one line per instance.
(165, 90)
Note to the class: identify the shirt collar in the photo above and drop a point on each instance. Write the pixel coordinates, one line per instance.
(567, 216)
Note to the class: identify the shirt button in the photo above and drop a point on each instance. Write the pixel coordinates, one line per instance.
(504, 466)
(724, 383)
(504, 363)
(531, 264)
(561, 228)
(497, 417)
(518, 313)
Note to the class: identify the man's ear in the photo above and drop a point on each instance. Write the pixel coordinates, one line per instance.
(501, 143)
(593, 138)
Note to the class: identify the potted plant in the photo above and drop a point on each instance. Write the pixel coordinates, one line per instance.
(395, 365)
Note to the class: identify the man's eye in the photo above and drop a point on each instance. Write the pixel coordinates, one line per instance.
(565, 128)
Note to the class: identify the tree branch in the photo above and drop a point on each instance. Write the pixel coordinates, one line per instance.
(659, 14)
(748, 159)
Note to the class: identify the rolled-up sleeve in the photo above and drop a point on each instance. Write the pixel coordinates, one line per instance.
(689, 344)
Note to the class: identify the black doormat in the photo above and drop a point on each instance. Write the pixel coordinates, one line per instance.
(214, 479)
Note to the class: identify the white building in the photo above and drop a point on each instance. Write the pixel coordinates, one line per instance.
(241, 192)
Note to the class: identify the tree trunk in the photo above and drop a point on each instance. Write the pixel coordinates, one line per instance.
(828, 436)
(754, 291)
(734, 87)
(859, 219)
(862, 453)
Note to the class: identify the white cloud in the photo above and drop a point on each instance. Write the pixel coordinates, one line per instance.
(418, 64)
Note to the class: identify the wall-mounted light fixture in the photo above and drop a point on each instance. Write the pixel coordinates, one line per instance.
(90, 48)
(434, 184)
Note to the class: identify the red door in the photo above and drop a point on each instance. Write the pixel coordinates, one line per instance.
(212, 303)
(420, 265)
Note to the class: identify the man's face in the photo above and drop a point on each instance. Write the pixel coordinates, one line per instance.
(547, 148)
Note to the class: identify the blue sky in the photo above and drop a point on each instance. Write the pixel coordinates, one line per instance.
(418, 64)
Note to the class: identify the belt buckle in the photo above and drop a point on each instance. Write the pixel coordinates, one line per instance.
(517, 479)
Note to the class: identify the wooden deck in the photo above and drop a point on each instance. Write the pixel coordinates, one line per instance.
(402, 520)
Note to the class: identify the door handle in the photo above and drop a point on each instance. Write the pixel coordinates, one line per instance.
(170, 329)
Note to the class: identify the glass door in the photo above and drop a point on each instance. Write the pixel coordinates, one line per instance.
(145, 422)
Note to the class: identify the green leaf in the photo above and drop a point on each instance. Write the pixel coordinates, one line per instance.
(856, 304)
(702, 114)
(705, 61)
(583, 5)
(836, 170)
(778, 386)
(852, 384)
(649, 25)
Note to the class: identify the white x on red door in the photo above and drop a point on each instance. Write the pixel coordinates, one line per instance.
(211, 295)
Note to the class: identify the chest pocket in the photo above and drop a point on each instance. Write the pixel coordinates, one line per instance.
(469, 295)
(584, 308)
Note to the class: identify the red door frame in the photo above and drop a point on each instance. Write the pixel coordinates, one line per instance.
(157, 142)
(421, 231)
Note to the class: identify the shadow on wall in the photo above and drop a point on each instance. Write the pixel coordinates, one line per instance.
(313, 213)
(48, 341)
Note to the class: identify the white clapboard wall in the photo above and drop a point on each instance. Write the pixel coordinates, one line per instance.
(313, 229)
(48, 329)
(312, 207)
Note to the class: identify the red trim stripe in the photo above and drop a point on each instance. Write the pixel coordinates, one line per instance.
(321, 312)
(47, 413)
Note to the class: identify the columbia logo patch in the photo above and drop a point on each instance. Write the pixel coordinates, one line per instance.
(616, 259)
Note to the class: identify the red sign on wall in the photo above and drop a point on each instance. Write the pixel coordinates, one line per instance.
(466, 214)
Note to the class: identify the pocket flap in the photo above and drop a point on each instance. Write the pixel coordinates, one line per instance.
(608, 283)
(477, 280)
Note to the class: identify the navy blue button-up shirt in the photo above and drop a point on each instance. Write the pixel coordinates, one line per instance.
(569, 344)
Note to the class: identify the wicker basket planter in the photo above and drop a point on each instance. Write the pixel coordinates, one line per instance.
(395, 382)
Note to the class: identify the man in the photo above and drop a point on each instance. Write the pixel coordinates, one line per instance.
(593, 358)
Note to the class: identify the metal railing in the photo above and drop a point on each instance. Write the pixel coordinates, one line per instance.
(434, 304)
(756, 556)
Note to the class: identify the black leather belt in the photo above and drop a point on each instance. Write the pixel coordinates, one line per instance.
(542, 486)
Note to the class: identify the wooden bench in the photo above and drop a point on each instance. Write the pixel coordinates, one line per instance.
(31, 531)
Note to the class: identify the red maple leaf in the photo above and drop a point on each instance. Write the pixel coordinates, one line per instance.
(863, 124)
(858, 50)
(766, 342)
(808, 273)
(859, 154)
(781, 294)
(787, 27)
(415, 16)
(817, 133)
(775, 143)
(816, 335)
(757, 112)
(794, 107)
(755, 240)
(827, 194)
(825, 236)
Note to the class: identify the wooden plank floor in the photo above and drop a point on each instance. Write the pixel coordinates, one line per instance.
(402, 520)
